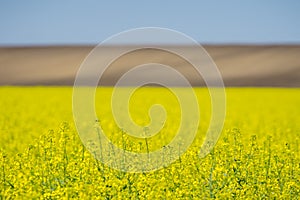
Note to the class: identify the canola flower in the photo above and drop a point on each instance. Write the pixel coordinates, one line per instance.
(257, 156)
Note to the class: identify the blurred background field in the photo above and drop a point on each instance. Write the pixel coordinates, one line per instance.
(29, 112)
(253, 65)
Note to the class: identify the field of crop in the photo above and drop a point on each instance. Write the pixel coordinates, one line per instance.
(257, 155)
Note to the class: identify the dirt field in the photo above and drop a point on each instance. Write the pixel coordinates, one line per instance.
(274, 66)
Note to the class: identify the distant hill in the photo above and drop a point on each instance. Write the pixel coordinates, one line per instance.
(240, 65)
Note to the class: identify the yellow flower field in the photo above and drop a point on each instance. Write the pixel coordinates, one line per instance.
(257, 155)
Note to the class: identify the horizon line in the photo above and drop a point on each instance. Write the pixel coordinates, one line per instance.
(132, 44)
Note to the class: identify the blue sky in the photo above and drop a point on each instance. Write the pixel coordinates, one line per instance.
(89, 22)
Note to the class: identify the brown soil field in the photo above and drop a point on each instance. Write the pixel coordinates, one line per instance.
(240, 65)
